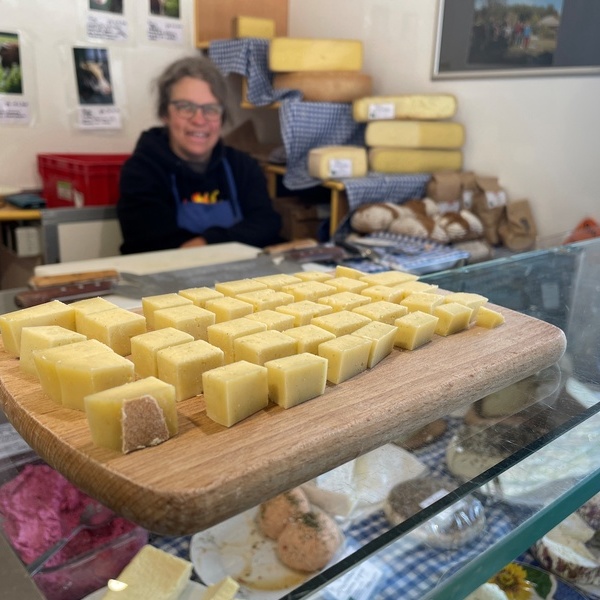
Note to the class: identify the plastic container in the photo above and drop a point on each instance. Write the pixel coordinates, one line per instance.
(76, 180)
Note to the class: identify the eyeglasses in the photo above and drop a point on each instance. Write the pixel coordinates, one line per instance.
(188, 110)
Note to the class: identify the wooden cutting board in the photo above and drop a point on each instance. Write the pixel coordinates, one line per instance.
(208, 473)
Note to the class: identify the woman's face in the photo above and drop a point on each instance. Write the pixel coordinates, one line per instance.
(192, 138)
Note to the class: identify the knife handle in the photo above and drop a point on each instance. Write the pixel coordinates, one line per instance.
(65, 293)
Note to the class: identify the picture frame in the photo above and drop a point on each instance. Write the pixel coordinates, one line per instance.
(516, 38)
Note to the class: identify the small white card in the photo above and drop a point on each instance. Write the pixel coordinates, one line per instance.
(99, 117)
(14, 111)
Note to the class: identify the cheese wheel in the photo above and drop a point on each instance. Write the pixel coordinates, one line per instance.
(403, 160)
(328, 162)
(307, 54)
(257, 27)
(415, 134)
(407, 106)
(326, 86)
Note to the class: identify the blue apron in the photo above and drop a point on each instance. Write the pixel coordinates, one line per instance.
(197, 217)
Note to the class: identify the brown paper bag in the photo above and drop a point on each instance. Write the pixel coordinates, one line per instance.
(468, 182)
(444, 186)
(517, 230)
(489, 204)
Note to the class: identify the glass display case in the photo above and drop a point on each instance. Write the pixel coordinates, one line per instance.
(498, 474)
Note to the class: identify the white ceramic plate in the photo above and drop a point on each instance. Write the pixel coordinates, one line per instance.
(193, 591)
(237, 549)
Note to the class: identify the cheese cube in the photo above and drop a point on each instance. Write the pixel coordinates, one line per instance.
(182, 366)
(382, 310)
(386, 293)
(143, 424)
(83, 375)
(403, 160)
(453, 317)
(488, 318)
(409, 287)
(321, 276)
(277, 281)
(344, 301)
(153, 573)
(288, 54)
(415, 329)
(382, 338)
(347, 284)
(49, 313)
(405, 106)
(273, 319)
(304, 311)
(343, 271)
(296, 379)
(335, 162)
(228, 308)
(199, 295)
(266, 299)
(423, 301)
(308, 290)
(346, 356)
(41, 337)
(103, 410)
(223, 334)
(114, 327)
(158, 301)
(225, 589)
(189, 318)
(414, 134)
(308, 338)
(88, 306)
(145, 346)
(260, 347)
(234, 392)
(255, 27)
(46, 359)
(341, 323)
(239, 286)
(326, 86)
(389, 278)
(473, 301)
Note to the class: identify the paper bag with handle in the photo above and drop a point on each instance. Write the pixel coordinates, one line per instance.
(489, 204)
(517, 229)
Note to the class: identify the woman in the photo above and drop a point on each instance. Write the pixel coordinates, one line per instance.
(182, 186)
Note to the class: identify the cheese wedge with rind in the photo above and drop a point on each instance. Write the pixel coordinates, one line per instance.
(404, 106)
(254, 27)
(287, 54)
(414, 134)
(405, 160)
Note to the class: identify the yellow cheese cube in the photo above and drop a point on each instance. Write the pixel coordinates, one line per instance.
(488, 318)
(404, 106)
(255, 27)
(114, 327)
(308, 337)
(288, 54)
(382, 338)
(152, 574)
(348, 284)
(404, 160)
(335, 162)
(277, 281)
(223, 334)
(321, 276)
(225, 589)
(308, 290)
(344, 301)
(189, 318)
(346, 356)
(341, 323)
(41, 337)
(88, 306)
(83, 375)
(273, 319)
(304, 311)
(103, 409)
(343, 271)
(182, 366)
(415, 329)
(234, 392)
(473, 301)
(145, 346)
(266, 299)
(239, 286)
(423, 301)
(228, 308)
(260, 347)
(296, 379)
(410, 287)
(453, 317)
(389, 278)
(414, 134)
(382, 310)
(380, 292)
(49, 313)
(199, 295)
(158, 301)
(46, 359)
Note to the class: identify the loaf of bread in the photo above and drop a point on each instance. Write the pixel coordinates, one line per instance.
(288, 54)
(415, 134)
(407, 106)
(326, 86)
(404, 160)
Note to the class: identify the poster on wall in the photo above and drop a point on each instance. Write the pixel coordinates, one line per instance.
(105, 20)
(164, 21)
(96, 105)
(14, 107)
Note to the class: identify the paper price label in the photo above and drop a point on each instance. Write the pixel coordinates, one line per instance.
(495, 199)
(340, 167)
(381, 111)
(358, 584)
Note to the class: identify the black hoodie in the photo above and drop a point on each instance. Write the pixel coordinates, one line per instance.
(147, 208)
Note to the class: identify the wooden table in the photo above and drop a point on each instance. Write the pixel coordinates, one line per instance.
(8, 212)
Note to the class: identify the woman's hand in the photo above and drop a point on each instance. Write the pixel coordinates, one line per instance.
(197, 241)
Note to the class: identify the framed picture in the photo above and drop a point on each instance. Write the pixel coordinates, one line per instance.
(11, 81)
(92, 72)
(508, 38)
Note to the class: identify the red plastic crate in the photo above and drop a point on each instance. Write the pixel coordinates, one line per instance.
(76, 180)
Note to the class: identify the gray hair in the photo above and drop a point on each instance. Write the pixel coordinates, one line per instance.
(198, 67)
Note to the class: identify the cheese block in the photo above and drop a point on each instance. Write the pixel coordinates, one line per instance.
(308, 290)
(153, 573)
(404, 106)
(422, 301)
(145, 346)
(90, 305)
(326, 86)
(382, 338)
(470, 299)
(199, 295)
(334, 162)
(188, 317)
(382, 311)
(344, 301)
(403, 160)
(385, 293)
(415, 329)
(277, 280)
(321, 276)
(228, 308)
(239, 286)
(343, 271)
(114, 327)
(261, 347)
(388, 278)
(307, 54)
(347, 284)
(341, 323)
(158, 301)
(308, 337)
(453, 317)
(410, 287)
(224, 334)
(256, 27)
(347, 356)
(414, 134)
(488, 318)
(266, 299)
(225, 589)
(273, 319)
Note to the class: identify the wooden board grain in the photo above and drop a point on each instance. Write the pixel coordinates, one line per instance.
(208, 473)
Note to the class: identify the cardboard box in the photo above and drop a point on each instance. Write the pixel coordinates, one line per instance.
(301, 219)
